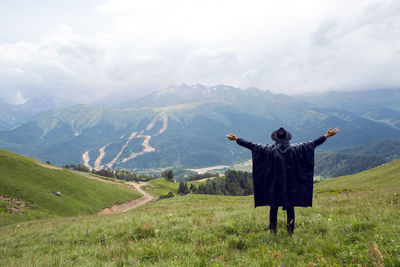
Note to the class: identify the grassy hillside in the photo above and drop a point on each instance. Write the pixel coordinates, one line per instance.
(33, 190)
(161, 186)
(354, 221)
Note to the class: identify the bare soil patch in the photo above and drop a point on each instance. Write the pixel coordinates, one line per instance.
(15, 206)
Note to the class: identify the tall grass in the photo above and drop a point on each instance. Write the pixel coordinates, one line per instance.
(344, 227)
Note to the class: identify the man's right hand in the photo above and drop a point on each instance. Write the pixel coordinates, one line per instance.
(331, 132)
(232, 137)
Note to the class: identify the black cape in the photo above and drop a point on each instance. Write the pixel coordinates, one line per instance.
(283, 173)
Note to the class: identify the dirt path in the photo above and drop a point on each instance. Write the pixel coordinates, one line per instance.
(119, 208)
(45, 165)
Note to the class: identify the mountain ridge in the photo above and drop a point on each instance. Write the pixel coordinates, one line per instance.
(198, 120)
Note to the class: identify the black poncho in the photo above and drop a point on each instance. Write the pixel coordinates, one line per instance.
(283, 173)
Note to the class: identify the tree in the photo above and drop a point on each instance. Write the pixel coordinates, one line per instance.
(232, 189)
(193, 188)
(183, 189)
(248, 189)
(82, 168)
(105, 172)
(202, 189)
(180, 189)
(168, 174)
(126, 175)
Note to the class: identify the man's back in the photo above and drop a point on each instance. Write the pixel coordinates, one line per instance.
(283, 173)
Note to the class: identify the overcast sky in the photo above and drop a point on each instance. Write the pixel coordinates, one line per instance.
(90, 49)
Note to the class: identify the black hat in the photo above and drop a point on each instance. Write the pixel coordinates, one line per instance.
(281, 135)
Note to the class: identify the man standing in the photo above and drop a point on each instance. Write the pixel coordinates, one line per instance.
(283, 173)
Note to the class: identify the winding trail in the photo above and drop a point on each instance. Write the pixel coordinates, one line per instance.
(124, 207)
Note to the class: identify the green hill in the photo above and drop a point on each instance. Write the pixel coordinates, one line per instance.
(161, 186)
(28, 191)
(354, 221)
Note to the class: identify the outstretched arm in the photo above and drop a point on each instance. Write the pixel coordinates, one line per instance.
(321, 140)
(242, 142)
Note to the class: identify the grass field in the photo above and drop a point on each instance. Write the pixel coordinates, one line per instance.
(33, 189)
(354, 221)
(161, 186)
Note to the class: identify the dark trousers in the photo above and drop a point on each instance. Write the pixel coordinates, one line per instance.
(273, 218)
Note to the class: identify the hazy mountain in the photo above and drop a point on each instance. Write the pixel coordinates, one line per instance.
(12, 115)
(356, 159)
(381, 105)
(183, 126)
(386, 149)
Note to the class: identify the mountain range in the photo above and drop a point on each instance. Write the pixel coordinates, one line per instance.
(186, 126)
(12, 115)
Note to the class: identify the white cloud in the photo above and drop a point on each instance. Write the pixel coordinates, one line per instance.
(285, 46)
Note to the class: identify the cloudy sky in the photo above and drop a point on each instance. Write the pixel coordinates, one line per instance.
(87, 50)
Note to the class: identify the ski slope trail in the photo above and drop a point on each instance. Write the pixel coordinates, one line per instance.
(112, 162)
(86, 159)
(102, 153)
(146, 147)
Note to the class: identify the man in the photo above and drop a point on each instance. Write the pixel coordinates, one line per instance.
(283, 173)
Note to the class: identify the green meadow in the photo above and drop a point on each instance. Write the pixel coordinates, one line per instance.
(35, 187)
(161, 186)
(354, 221)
